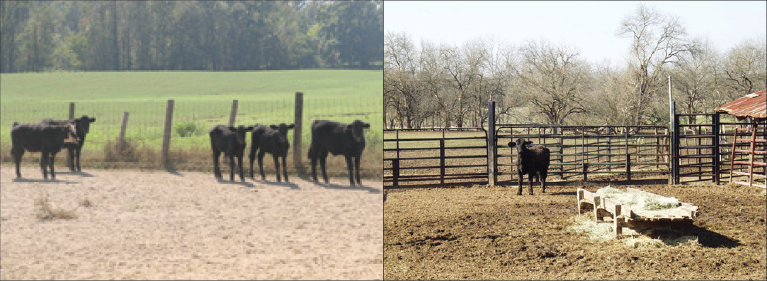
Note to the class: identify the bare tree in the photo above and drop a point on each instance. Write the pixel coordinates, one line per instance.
(402, 94)
(554, 78)
(744, 68)
(657, 39)
(694, 77)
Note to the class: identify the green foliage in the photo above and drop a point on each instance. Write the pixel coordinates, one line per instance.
(188, 129)
(190, 35)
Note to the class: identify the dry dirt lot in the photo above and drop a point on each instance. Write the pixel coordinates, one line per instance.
(483, 232)
(160, 225)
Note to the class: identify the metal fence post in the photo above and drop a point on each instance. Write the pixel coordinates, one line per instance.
(491, 176)
(167, 132)
(628, 156)
(715, 150)
(442, 161)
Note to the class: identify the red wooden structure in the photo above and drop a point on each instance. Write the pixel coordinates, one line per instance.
(751, 107)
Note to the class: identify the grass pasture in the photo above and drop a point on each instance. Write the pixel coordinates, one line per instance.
(202, 99)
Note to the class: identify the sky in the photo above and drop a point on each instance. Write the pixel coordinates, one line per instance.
(590, 27)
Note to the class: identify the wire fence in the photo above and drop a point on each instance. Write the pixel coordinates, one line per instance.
(191, 121)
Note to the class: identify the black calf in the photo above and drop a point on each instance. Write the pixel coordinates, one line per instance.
(531, 161)
(337, 138)
(230, 141)
(45, 138)
(272, 139)
(82, 127)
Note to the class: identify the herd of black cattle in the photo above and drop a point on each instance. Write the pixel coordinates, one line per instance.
(50, 136)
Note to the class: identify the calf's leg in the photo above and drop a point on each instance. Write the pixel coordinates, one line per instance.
(350, 167)
(261, 164)
(314, 168)
(530, 178)
(44, 163)
(324, 157)
(50, 163)
(521, 175)
(77, 158)
(216, 168)
(17, 153)
(357, 169)
(543, 180)
(239, 164)
(277, 166)
(284, 169)
(251, 159)
(231, 167)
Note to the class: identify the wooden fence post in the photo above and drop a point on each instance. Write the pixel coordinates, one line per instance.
(71, 116)
(71, 110)
(233, 113)
(121, 139)
(299, 117)
(167, 132)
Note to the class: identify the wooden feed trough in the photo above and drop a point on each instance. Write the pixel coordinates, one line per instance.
(624, 217)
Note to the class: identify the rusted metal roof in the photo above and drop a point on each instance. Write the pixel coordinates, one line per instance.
(751, 105)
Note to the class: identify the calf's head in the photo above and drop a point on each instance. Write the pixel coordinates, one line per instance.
(69, 134)
(520, 144)
(357, 129)
(240, 132)
(84, 123)
(282, 131)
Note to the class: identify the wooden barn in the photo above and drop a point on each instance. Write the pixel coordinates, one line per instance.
(748, 163)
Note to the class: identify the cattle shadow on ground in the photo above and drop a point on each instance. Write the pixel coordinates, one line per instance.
(43, 181)
(276, 183)
(81, 174)
(567, 193)
(348, 187)
(243, 183)
(302, 173)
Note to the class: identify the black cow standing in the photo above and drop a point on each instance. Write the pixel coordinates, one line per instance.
(531, 161)
(45, 138)
(272, 139)
(231, 141)
(82, 127)
(337, 138)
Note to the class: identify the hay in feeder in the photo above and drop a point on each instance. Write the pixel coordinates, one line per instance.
(643, 203)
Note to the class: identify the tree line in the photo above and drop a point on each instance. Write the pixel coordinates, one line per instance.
(189, 35)
(541, 82)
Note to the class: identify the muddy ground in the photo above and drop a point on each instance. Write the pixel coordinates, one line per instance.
(482, 232)
(186, 226)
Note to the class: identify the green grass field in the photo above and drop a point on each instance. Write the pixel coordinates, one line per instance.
(202, 99)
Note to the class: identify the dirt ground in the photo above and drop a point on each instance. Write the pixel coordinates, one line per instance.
(483, 232)
(160, 225)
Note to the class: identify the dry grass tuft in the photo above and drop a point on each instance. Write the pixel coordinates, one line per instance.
(86, 202)
(46, 212)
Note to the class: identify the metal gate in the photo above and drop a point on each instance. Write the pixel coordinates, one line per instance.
(696, 151)
(437, 156)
